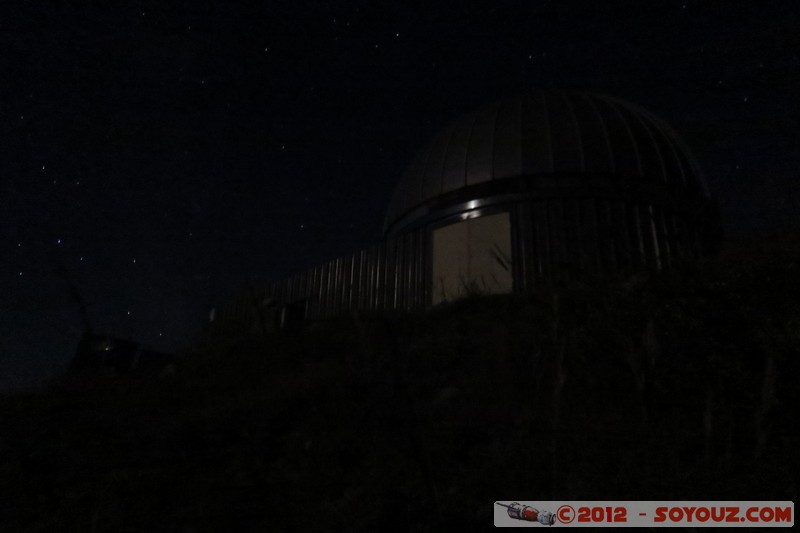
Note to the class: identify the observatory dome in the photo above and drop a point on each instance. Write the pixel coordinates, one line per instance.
(545, 143)
(542, 189)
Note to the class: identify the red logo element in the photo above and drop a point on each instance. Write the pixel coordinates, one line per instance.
(530, 514)
(565, 514)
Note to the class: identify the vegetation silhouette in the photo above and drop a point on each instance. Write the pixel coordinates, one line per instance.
(675, 386)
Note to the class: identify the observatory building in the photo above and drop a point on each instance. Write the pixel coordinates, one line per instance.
(541, 188)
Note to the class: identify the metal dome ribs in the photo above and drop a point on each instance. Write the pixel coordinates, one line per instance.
(539, 136)
(552, 186)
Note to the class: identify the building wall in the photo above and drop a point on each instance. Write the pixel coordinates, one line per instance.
(472, 255)
(388, 275)
(569, 238)
(551, 240)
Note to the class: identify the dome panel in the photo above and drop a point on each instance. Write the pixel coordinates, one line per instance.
(539, 134)
(454, 174)
(566, 138)
(537, 155)
(434, 170)
(411, 194)
(481, 144)
(623, 149)
(507, 153)
(594, 137)
(673, 174)
(652, 168)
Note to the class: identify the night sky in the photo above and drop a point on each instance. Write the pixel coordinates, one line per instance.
(168, 153)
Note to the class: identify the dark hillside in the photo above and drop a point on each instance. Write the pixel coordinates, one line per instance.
(677, 387)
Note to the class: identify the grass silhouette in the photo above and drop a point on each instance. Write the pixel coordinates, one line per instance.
(677, 386)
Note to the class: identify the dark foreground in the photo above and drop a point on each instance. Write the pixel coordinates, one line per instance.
(678, 388)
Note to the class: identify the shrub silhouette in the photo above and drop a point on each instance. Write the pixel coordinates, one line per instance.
(678, 386)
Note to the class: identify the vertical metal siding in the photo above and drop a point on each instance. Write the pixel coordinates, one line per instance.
(552, 240)
(420, 281)
(322, 277)
(605, 241)
(383, 286)
(558, 241)
(400, 275)
(663, 236)
(282, 291)
(380, 280)
(543, 255)
(336, 286)
(638, 256)
(370, 279)
(323, 286)
(647, 234)
(316, 278)
(575, 249)
(620, 233)
(327, 285)
(362, 268)
(347, 284)
(656, 241)
(677, 232)
(290, 289)
(521, 247)
(392, 281)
